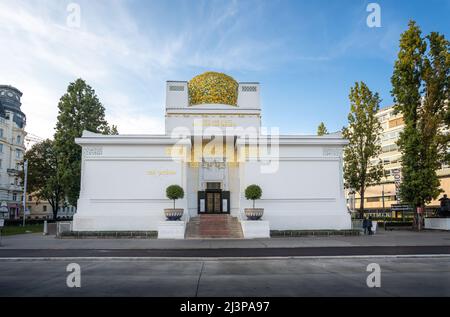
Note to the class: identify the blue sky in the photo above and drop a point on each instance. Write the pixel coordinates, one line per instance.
(305, 54)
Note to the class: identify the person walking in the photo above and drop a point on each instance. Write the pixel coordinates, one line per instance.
(364, 225)
(369, 226)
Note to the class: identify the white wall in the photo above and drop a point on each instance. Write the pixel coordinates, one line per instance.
(124, 189)
(305, 193)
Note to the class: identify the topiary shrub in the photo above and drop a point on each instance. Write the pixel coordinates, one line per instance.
(174, 192)
(253, 192)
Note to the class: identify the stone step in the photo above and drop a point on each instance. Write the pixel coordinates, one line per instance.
(213, 226)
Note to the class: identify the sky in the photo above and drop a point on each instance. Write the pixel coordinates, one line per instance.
(305, 54)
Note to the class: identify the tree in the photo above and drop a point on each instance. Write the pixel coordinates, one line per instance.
(437, 89)
(174, 192)
(253, 192)
(322, 129)
(420, 89)
(79, 109)
(363, 133)
(43, 179)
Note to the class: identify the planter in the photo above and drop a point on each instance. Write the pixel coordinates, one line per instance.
(173, 214)
(254, 213)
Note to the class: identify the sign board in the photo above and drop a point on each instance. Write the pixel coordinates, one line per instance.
(224, 205)
(401, 207)
(2, 223)
(397, 181)
(202, 205)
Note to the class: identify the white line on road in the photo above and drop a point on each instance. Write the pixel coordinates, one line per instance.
(96, 258)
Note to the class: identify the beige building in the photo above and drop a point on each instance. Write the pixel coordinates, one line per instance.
(380, 197)
(41, 209)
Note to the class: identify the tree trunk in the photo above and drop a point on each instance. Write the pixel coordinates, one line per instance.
(174, 204)
(361, 204)
(253, 204)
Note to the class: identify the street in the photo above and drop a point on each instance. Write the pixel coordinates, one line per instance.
(323, 276)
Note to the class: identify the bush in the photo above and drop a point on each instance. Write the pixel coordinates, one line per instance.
(253, 192)
(174, 192)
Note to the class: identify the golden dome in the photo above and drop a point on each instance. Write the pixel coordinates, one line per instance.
(212, 87)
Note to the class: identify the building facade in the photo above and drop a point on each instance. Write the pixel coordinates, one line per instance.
(41, 209)
(12, 149)
(379, 198)
(214, 147)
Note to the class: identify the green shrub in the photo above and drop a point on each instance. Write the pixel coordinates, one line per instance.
(253, 192)
(174, 192)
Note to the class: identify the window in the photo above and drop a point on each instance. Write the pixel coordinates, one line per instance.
(30, 198)
(14, 196)
(372, 199)
(1, 147)
(44, 208)
(18, 139)
(1, 133)
(0, 163)
(18, 153)
(213, 185)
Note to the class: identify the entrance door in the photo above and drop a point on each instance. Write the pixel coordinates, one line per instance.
(213, 198)
(213, 202)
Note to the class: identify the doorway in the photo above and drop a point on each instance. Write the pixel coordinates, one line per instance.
(213, 195)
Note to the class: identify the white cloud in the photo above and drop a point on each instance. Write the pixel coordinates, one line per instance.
(126, 64)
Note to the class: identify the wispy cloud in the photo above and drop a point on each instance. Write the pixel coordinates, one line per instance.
(114, 54)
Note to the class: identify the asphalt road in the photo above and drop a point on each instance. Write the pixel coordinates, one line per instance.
(400, 276)
(228, 252)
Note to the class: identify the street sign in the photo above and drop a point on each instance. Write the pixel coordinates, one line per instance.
(401, 207)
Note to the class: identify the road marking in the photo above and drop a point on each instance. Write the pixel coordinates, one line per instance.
(188, 259)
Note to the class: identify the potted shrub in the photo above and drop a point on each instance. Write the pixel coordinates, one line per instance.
(174, 192)
(253, 192)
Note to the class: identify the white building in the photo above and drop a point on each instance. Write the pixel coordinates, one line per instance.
(12, 148)
(214, 151)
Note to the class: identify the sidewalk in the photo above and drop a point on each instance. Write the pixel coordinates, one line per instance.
(382, 238)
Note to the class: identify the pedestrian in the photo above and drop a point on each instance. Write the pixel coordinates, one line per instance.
(364, 224)
(369, 226)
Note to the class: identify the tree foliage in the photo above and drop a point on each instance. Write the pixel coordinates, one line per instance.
(420, 87)
(79, 109)
(322, 129)
(174, 192)
(43, 179)
(363, 133)
(253, 192)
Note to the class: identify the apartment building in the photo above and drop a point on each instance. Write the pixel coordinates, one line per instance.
(12, 149)
(381, 197)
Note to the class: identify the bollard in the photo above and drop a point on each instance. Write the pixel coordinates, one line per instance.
(45, 228)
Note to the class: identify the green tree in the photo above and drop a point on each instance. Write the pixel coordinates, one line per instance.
(363, 133)
(322, 129)
(253, 192)
(420, 88)
(174, 192)
(79, 109)
(43, 179)
(437, 90)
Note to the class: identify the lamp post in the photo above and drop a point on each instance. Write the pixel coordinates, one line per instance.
(25, 172)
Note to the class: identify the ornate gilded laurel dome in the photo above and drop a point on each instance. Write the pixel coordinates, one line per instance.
(212, 87)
